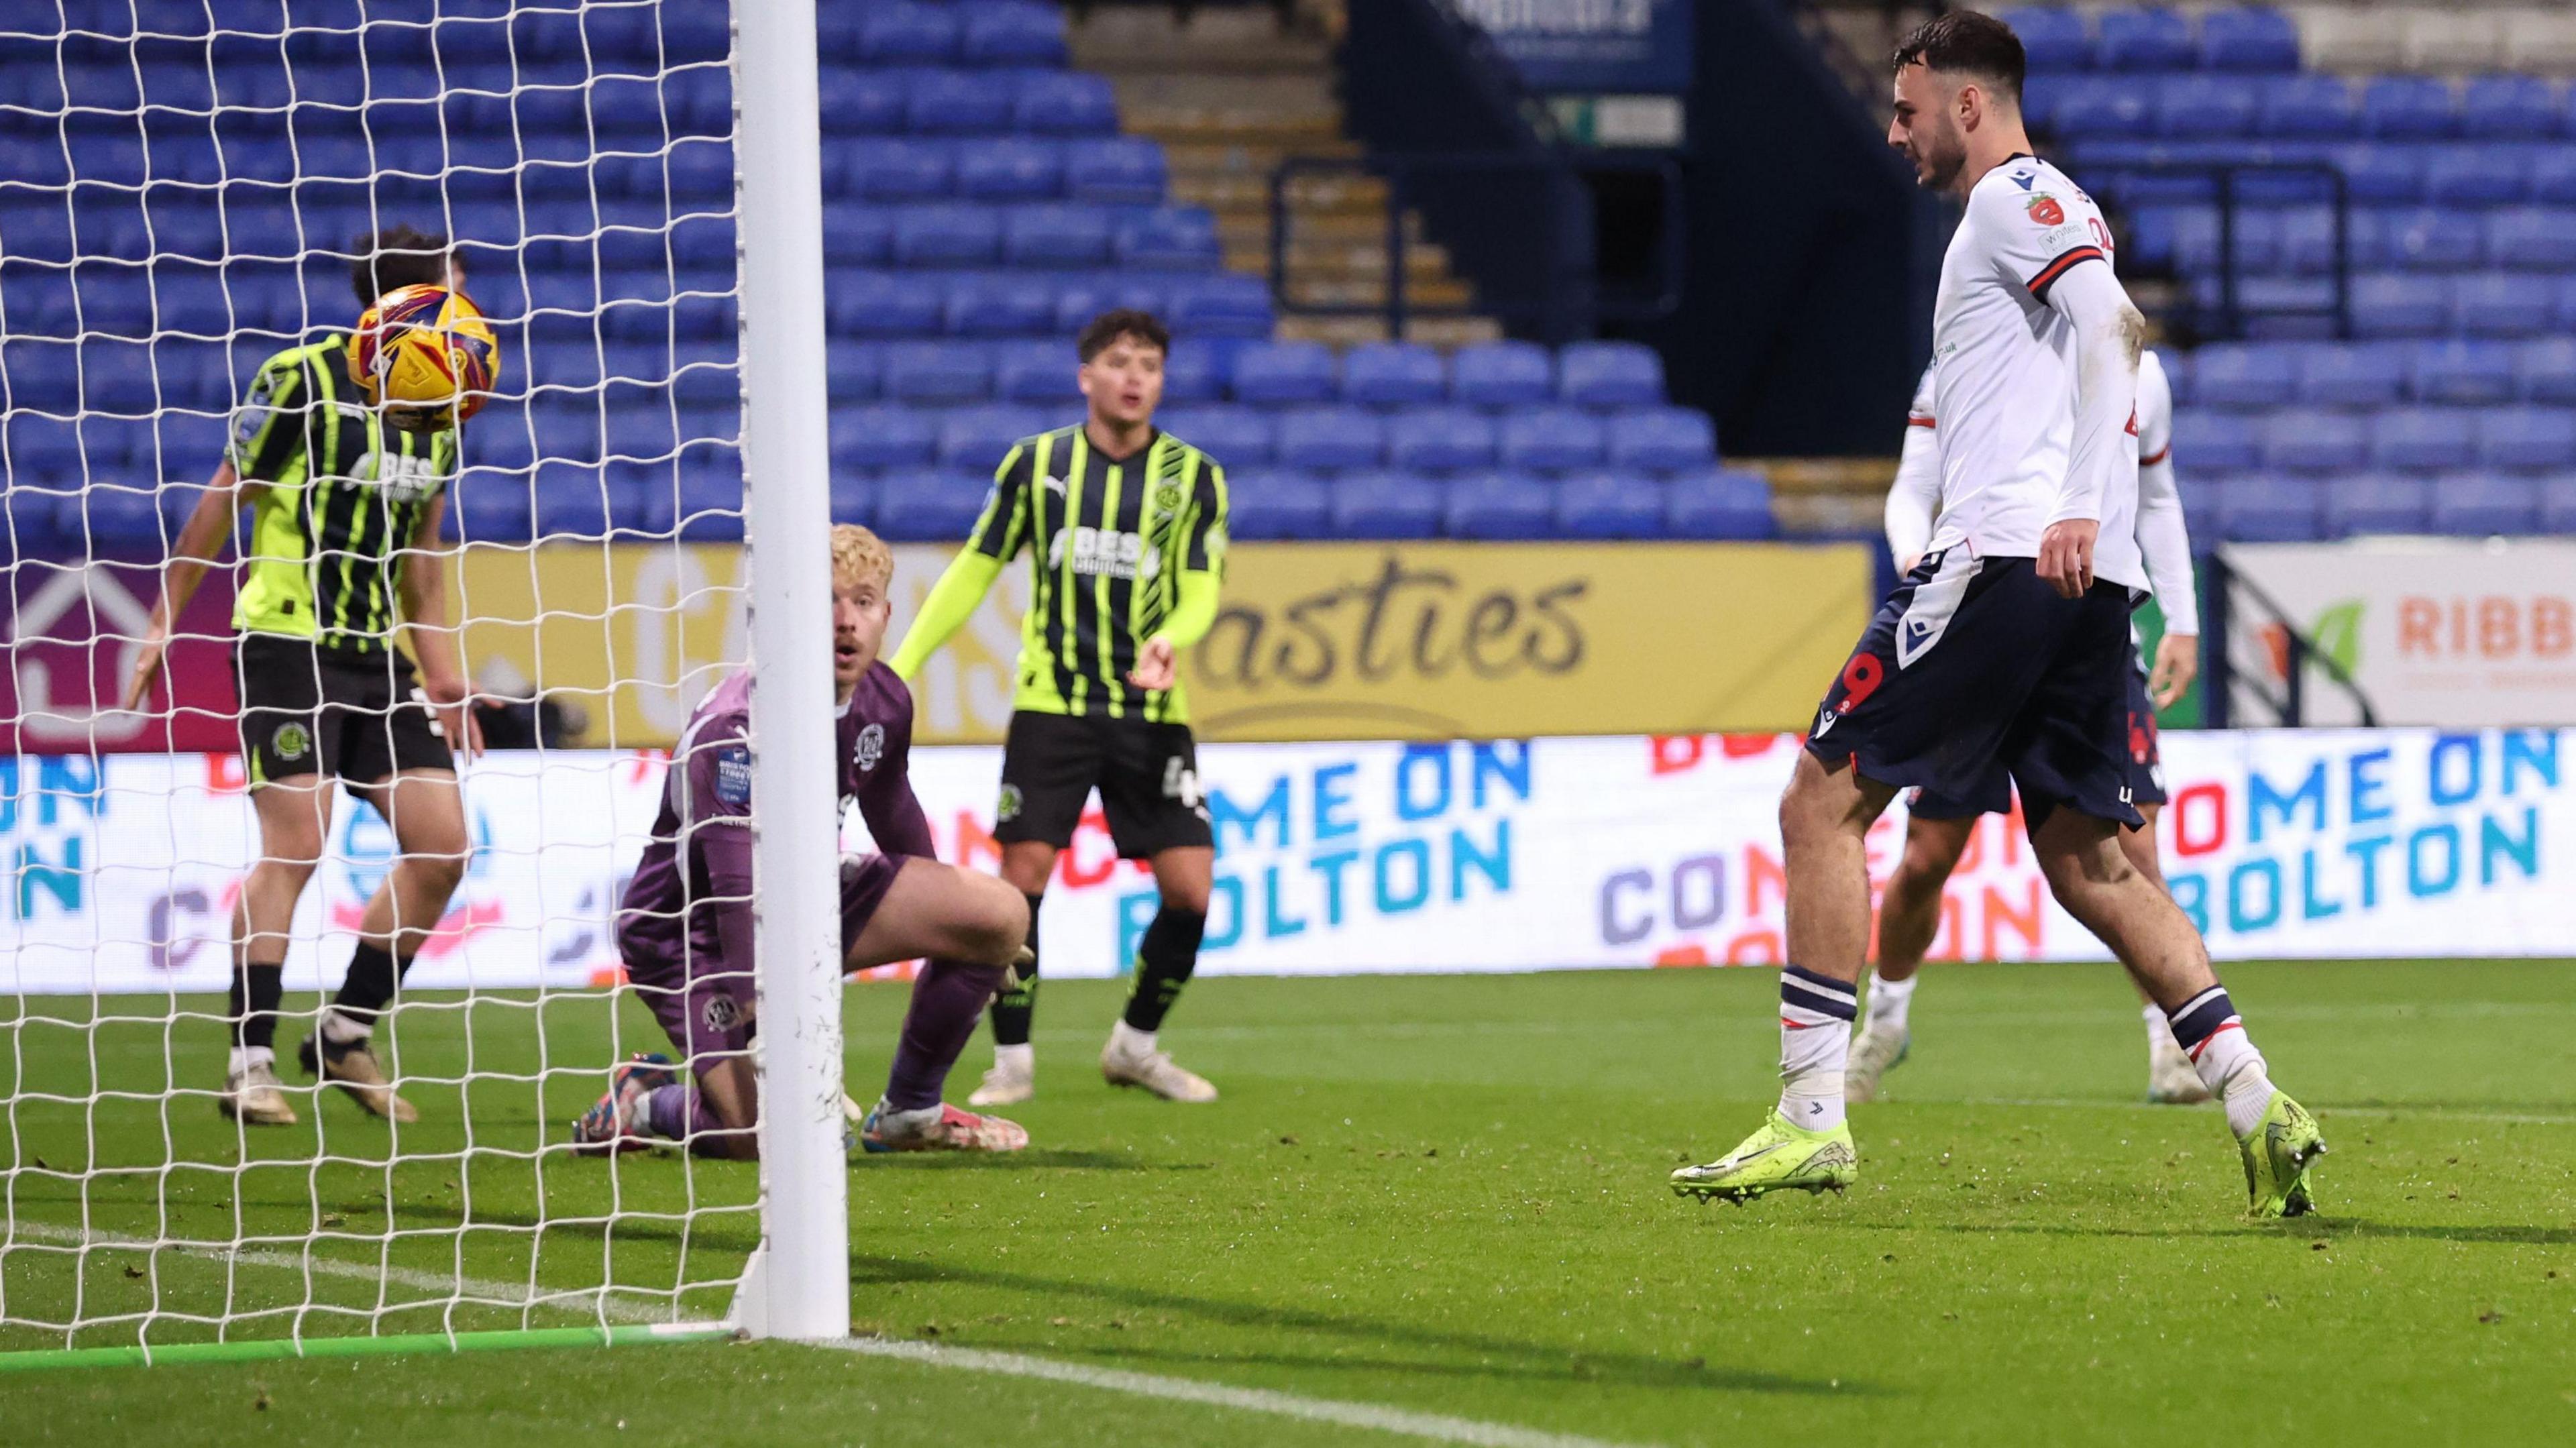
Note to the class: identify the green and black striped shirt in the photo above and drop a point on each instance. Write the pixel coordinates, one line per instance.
(345, 496)
(1109, 539)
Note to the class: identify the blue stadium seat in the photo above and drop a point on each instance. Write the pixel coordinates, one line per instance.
(2558, 505)
(2377, 503)
(2307, 107)
(942, 235)
(2052, 38)
(882, 436)
(1009, 168)
(1277, 373)
(1279, 504)
(1440, 440)
(2526, 439)
(854, 498)
(976, 439)
(491, 506)
(2200, 490)
(2216, 441)
(1225, 304)
(1237, 437)
(1501, 374)
(1552, 440)
(856, 236)
(2251, 39)
(1169, 238)
(2566, 289)
(938, 372)
(1331, 439)
(1195, 372)
(2435, 239)
(1125, 170)
(2247, 376)
(2197, 107)
(2143, 39)
(2409, 108)
(2260, 508)
(2300, 440)
(2387, 305)
(2376, 174)
(2508, 108)
(2181, 371)
(2460, 372)
(1393, 374)
(2480, 505)
(1719, 503)
(2553, 176)
(705, 506)
(864, 103)
(2089, 106)
(2423, 439)
(1051, 235)
(899, 32)
(1012, 32)
(1610, 505)
(857, 370)
(957, 103)
(2498, 304)
(1387, 505)
(2307, 239)
(1001, 306)
(2546, 370)
(2477, 175)
(2528, 238)
(1662, 439)
(1501, 507)
(1079, 300)
(1038, 372)
(881, 304)
(1062, 103)
(1609, 374)
(929, 507)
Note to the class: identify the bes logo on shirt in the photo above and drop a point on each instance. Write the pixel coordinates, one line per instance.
(2044, 211)
(733, 777)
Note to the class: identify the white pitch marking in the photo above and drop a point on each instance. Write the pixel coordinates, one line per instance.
(597, 1301)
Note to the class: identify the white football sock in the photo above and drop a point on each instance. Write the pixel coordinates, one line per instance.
(2160, 1036)
(343, 1029)
(1021, 1059)
(245, 1057)
(1126, 1040)
(1811, 1072)
(1890, 1002)
(2234, 1072)
(907, 1123)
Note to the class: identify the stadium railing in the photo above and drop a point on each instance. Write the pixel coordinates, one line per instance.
(2231, 597)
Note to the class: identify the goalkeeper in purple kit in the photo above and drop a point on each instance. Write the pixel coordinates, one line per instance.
(684, 927)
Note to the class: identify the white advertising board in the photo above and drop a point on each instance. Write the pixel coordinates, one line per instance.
(2457, 632)
(1593, 853)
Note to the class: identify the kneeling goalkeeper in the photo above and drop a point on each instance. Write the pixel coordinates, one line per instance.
(684, 927)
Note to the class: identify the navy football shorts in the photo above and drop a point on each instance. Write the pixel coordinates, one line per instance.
(1975, 671)
(1994, 793)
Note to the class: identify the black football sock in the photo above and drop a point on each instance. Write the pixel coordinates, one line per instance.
(257, 988)
(1164, 960)
(368, 988)
(1014, 1009)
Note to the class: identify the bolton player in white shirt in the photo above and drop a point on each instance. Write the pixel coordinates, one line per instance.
(2008, 643)
(1937, 828)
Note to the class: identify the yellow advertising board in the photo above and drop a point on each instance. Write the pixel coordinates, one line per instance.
(1314, 641)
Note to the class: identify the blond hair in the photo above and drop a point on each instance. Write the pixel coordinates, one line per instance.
(859, 556)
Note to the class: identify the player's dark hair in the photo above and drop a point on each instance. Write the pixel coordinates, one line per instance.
(397, 257)
(1120, 322)
(1964, 42)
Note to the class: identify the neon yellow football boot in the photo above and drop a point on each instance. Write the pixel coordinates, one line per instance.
(1779, 1157)
(2277, 1157)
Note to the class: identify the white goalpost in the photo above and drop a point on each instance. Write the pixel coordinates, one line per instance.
(633, 192)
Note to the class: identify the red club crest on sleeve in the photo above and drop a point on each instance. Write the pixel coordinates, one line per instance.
(2045, 211)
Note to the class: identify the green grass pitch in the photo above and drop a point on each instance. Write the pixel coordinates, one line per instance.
(1442, 1195)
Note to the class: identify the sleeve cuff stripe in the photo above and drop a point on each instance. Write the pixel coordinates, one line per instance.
(2161, 455)
(2049, 274)
(1919, 419)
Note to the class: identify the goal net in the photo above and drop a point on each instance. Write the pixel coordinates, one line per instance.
(183, 189)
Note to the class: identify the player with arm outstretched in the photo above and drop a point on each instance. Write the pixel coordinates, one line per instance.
(1937, 829)
(684, 927)
(344, 450)
(2008, 643)
(1125, 528)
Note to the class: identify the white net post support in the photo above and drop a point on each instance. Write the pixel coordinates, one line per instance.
(803, 1287)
